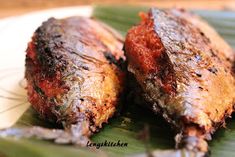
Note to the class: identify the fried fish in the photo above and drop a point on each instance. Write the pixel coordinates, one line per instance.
(74, 78)
(184, 69)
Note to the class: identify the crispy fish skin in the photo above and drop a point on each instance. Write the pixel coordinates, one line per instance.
(226, 53)
(72, 72)
(184, 74)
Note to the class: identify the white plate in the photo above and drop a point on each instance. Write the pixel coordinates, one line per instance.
(15, 33)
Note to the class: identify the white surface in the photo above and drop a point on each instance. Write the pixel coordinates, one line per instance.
(15, 33)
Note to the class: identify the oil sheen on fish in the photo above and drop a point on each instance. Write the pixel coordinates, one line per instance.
(73, 78)
(184, 69)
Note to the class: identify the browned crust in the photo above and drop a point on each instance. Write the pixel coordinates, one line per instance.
(72, 72)
(204, 86)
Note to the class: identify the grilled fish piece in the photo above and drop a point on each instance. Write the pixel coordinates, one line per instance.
(185, 72)
(73, 77)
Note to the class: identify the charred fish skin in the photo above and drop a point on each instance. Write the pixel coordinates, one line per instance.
(182, 73)
(72, 73)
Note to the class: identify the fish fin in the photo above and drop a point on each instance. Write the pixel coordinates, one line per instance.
(171, 153)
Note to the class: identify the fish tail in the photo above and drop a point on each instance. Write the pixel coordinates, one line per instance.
(59, 136)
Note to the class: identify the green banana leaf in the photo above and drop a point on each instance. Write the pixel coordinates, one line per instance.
(128, 126)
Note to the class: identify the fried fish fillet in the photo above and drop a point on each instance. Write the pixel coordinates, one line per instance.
(184, 69)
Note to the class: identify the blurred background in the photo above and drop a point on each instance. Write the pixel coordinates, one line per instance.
(18, 7)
